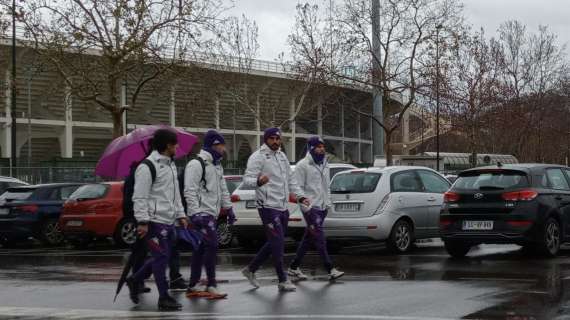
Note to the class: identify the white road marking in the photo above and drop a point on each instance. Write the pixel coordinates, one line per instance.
(117, 314)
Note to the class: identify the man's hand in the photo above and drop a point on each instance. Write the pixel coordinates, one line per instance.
(183, 222)
(231, 216)
(305, 201)
(142, 230)
(262, 180)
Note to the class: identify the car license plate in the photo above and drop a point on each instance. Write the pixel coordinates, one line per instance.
(250, 204)
(347, 207)
(74, 223)
(477, 225)
(4, 211)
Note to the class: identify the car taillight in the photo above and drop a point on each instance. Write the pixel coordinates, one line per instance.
(523, 195)
(383, 204)
(292, 198)
(29, 208)
(444, 222)
(520, 223)
(235, 198)
(451, 197)
(295, 219)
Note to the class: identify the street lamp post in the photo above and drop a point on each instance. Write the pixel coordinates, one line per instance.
(438, 27)
(13, 92)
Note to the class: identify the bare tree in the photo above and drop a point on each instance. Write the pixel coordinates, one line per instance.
(407, 28)
(97, 45)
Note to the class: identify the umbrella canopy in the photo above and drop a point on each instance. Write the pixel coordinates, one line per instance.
(138, 253)
(120, 154)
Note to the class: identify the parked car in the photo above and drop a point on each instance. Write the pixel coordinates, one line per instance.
(225, 232)
(9, 182)
(394, 204)
(249, 229)
(524, 204)
(33, 211)
(96, 211)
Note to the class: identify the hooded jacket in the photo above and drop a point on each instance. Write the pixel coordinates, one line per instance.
(159, 201)
(275, 165)
(314, 181)
(214, 196)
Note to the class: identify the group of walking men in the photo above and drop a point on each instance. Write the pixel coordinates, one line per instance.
(159, 211)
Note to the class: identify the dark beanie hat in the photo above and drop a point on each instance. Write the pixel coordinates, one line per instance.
(213, 138)
(314, 141)
(269, 132)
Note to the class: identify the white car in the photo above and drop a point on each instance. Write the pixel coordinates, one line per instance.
(248, 227)
(394, 204)
(9, 182)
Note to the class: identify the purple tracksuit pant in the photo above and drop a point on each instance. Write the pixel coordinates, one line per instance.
(159, 240)
(206, 255)
(275, 224)
(314, 235)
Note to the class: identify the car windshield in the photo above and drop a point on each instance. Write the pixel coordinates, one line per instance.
(355, 182)
(492, 180)
(90, 192)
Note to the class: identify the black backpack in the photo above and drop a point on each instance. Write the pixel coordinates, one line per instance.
(181, 181)
(129, 188)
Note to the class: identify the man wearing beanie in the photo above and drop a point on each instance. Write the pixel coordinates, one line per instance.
(206, 194)
(268, 171)
(313, 175)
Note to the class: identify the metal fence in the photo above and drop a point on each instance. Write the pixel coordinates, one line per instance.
(40, 175)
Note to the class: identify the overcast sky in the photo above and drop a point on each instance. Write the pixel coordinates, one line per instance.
(275, 18)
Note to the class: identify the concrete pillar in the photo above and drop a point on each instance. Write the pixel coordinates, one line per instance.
(172, 113)
(292, 145)
(6, 134)
(406, 132)
(320, 121)
(123, 102)
(66, 138)
(342, 132)
(217, 112)
(358, 125)
(257, 122)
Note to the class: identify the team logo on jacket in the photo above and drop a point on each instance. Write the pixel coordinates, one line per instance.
(164, 233)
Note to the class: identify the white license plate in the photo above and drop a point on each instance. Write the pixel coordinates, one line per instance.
(74, 223)
(4, 211)
(347, 207)
(250, 204)
(477, 225)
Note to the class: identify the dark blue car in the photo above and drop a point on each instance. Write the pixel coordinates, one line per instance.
(33, 211)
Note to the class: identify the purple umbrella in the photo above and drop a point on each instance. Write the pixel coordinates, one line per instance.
(123, 151)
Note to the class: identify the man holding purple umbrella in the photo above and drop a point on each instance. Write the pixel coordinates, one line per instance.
(157, 206)
(313, 175)
(268, 171)
(206, 195)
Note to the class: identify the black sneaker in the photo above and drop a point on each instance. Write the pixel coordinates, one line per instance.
(168, 304)
(133, 290)
(178, 284)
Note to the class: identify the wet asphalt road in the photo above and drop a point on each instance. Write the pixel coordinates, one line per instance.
(495, 282)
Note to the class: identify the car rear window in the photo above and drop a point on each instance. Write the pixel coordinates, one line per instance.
(90, 192)
(17, 194)
(492, 180)
(355, 182)
(232, 184)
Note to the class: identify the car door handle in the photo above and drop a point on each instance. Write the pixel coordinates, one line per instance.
(558, 198)
(431, 199)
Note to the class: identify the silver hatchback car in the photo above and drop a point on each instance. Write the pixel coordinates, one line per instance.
(394, 204)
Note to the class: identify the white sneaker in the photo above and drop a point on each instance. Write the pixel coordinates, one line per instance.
(251, 277)
(215, 293)
(335, 274)
(297, 273)
(286, 286)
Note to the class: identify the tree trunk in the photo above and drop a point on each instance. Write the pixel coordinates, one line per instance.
(117, 123)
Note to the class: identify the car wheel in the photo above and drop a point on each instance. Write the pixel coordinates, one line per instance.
(402, 237)
(225, 235)
(551, 237)
(457, 249)
(125, 233)
(50, 234)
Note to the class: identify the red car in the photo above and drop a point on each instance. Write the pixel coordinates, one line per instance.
(96, 211)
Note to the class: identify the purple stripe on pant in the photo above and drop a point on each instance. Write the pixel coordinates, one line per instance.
(275, 224)
(160, 239)
(206, 254)
(314, 235)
